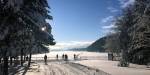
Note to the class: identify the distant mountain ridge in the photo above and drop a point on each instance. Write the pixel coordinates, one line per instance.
(78, 49)
(98, 45)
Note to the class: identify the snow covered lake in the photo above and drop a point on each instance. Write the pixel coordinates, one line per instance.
(80, 54)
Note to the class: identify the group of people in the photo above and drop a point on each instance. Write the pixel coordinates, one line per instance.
(64, 57)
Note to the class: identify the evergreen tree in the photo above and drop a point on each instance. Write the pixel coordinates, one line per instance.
(140, 45)
(21, 23)
(133, 28)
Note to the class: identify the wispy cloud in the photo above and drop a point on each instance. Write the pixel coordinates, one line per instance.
(125, 3)
(107, 25)
(107, 19)
(112, 25)
(71, 44)
(112, 9)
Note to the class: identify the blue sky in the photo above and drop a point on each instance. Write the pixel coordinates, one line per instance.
(83, 20)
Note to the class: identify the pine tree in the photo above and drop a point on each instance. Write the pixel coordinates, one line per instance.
(134, 29)
(123, 24)
(140, 45)
(21, 23)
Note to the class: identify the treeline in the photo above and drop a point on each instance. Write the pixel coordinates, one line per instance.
(23, 31)
(131, 34)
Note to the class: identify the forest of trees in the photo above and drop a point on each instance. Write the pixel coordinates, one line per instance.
(132, 28)
(23, 30)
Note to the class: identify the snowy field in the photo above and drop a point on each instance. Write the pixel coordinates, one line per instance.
(80, 54)
(99, 65)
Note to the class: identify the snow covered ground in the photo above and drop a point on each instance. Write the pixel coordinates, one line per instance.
(112, 68)
(96, 66)
(61, 69)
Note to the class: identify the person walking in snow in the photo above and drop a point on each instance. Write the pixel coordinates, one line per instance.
(57, 56)
(63, 56)
(66, 57)
(45, 59)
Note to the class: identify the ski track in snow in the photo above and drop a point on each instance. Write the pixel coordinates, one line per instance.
(63, 69)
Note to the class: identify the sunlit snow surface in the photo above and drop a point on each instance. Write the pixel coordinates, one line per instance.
(94, 60)
(80, 54)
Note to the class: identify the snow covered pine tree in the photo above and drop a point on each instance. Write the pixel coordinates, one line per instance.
(21, 23)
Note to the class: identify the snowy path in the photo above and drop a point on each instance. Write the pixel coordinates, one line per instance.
(58, 68)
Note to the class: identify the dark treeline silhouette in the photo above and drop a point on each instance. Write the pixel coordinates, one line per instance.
(23, 30)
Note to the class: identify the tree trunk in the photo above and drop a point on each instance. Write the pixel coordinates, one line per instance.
(0, 60)
(11, 60)
(21, 62)
(124, 61)
(29, 59)
(24, 59)
(5, 71)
